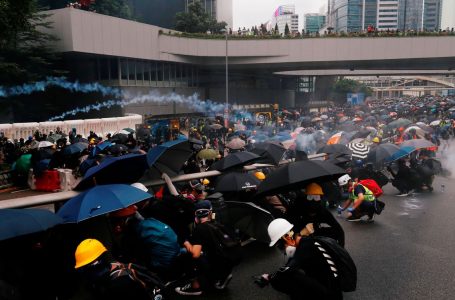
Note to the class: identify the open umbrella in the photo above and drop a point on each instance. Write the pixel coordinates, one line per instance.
(234, 160)
(417, 144)
(270, 152)
(419, 131)
(297, 174)
(119, 138)
(44, 144)
(119, 169)
(54, 138)
(236, 182)
(359, 150)
(335, 148)
(382, 152)
(116, 149)
(24, 163)
(99, 148)
(74, 148)
(19, 222)
(216, 126)
(248, 218)
(100, 200)
(236, 144)
(398, 123)
(207, 154)
(402, 152)
(169, 157)
(129, 130)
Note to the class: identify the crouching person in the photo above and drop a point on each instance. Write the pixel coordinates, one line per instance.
(212, 264)
(312, 271)
(111, 280)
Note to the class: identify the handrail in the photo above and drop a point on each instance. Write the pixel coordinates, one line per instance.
(54, 198)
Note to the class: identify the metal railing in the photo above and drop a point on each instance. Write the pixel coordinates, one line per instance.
(57, 198)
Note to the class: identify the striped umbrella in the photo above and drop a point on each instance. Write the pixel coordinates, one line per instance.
(359, 150)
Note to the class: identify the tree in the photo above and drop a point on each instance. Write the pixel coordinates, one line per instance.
(24, 48)
(286, 30)
(276, 29)
(115, 8)
(345, 86)
(196, 20)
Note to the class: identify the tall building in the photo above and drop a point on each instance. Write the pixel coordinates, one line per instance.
(432, 14)
(285, 14)
(157, 12)
(221, 10)
(387, 16)
(314, 22)
(370, 13)
(346, 15)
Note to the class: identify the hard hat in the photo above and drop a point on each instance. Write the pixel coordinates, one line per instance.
(314, 189)
(140, 186)
(343, 180)
(259, 175)
(124, 212)
(205, 181)
(277, 228)
(88, 251)
(376, 140)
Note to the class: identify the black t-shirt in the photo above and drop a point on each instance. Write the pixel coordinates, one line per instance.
(359, 189)
(205, 235)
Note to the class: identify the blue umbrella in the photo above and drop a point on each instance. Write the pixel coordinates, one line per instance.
(169, 157)
(74, 148)
(100, 200)
(19, 222)
(101, 147)
(402, 152)
(116, 169)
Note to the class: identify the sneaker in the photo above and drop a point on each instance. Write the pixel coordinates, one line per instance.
(188, 290)
(370, 219)
(353, 219)
(402, 195)
(221, 284)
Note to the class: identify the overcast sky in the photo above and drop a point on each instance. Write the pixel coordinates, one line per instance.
(249, 13)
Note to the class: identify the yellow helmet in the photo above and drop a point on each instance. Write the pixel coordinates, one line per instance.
(314, 189)
(259, 175)
(87, 252)
(205, 181)
(376, 140)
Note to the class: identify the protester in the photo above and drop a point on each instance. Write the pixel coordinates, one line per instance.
(360, 197)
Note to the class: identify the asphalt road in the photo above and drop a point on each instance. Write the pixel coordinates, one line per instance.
(405, 254)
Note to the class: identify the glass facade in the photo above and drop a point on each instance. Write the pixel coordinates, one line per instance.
(432, 14)
(370, 13)
(208, 5)
(347, 15)
(136, 72)
(305, 84)
(314, 22)
(410, 15)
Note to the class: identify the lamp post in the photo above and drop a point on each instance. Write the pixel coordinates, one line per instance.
(226, 105)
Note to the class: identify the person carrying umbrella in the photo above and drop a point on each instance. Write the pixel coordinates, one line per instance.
(213, 264)
(310, 272)
(110, 279)
(361, 198)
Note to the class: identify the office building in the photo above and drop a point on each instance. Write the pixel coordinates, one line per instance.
(387, 16)
(432, 14)
(346, 15)
(314, 22)
(420, 15)
(285, 14)
(370, 13)
(157, 12)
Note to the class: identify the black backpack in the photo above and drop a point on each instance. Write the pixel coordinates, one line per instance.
(346, 269)
(228, 244)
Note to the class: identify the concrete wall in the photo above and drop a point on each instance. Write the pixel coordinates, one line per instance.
(88, 32)
(286, 98)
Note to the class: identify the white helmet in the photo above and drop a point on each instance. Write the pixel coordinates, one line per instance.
(343, 180)
(140, 186)
(277, 228)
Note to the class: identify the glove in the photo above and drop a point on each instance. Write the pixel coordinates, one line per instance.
(351, 209)
(339, 209)
(261, 280)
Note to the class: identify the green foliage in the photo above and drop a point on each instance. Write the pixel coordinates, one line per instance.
(276, 28)
(24, 47)
(344, 86)
(196, 20)
(286, 30)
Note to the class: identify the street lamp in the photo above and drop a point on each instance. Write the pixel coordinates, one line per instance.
(226, 106)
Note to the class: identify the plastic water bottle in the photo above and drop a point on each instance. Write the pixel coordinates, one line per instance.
(443, 187)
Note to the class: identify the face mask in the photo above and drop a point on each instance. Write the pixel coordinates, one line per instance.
(290, 251)
(313, 197)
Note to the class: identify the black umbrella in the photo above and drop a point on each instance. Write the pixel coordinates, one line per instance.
(74, 148)
(169, 157)
(297, 174)
(271, 152)
(335, 148)
(117, 149)
(119, 138)
(120, 169)
(338, 160)
(382, 152)
(362, 134)
(236, 182)
(247, 218)
(238, 159)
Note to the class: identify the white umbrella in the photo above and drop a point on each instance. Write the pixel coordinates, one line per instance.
(44, 144)
(435, 123)
(359, 150)
(419, 131)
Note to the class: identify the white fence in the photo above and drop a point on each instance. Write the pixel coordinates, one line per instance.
(101, 126)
